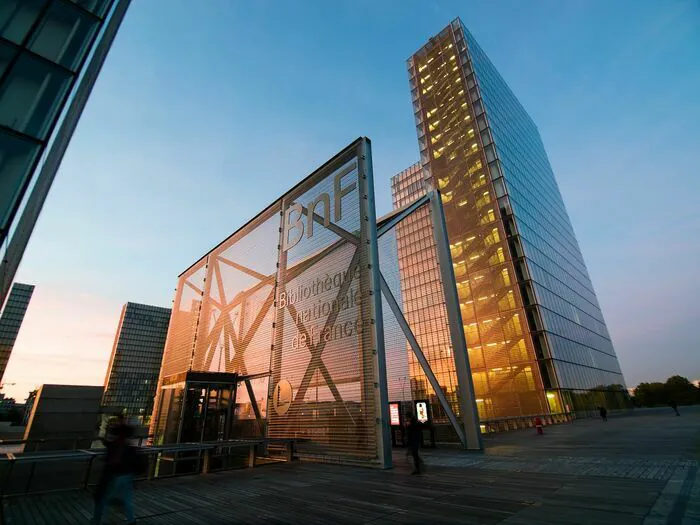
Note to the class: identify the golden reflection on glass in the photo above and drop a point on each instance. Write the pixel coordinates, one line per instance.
(501, 352)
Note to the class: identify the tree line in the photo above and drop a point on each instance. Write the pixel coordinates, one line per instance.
(676, 389)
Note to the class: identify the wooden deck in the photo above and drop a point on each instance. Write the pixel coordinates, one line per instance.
(634, 470)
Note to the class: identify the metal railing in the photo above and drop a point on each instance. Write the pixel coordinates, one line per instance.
(56, 443)
(76, 469)
(506, 424)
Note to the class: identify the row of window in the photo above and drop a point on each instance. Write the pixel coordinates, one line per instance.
(580, 377)
(566, 309)
(557, 324)
(528, 173)
(42, 45)
(511, 120)
(574, 352)
(563, 289)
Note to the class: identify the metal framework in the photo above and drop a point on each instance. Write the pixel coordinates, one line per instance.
(468, 432)
(229, 317)
(24, 225)
(327, 370)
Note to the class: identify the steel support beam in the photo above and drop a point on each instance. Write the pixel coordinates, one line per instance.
(467, 403)
(421, 359)
(401, 215)
(366, 180)
(254, 404)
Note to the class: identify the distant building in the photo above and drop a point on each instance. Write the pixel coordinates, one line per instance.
(66, 416)
(132, 375)
(11, 321)
(7, 405)
(28, 406)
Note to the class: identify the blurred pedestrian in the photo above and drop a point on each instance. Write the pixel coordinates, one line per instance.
(674, 406)
(415, 436)
(603, 413)
(117, 478)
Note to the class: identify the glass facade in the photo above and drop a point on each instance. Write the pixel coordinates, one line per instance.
(45, 47)
(536, 338)
(43, 44)
(132, 375)
(419, 288)
(11, 321)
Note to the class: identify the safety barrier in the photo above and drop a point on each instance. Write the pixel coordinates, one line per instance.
(507, 424)
(70, 470)
(61, 443)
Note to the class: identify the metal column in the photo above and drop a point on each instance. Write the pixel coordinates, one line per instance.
(467, 403)
(420, 356)
(366, 180)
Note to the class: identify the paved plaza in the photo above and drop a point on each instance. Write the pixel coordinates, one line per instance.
(640, 469)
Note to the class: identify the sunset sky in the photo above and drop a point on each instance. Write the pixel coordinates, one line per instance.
(202, 116)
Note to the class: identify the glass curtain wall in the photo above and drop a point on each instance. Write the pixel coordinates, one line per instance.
(536, 336)
(505, 370)
(571, 335)
(43, 45)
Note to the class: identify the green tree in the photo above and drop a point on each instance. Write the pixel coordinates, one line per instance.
(681, 390)
(650, 394)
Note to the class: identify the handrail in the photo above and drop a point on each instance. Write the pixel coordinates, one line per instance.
(4, 442)
(206, 458)
(151, 449)
(511, 418)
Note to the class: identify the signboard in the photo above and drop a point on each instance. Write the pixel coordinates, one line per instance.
(324, 338)
(394, 415)
(422, 412)
(282, 397)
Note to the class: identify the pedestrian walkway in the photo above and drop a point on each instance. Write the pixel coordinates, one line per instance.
(638, 470)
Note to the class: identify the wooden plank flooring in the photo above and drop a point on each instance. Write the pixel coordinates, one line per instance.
(519, 480)
(311, 493)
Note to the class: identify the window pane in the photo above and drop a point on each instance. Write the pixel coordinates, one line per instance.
(63, 35)
(6, 54)
(31, 96)
(16, 155)
(98, 7)
(17, 16)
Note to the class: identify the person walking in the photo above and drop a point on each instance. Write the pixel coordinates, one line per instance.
(415, 436)
(674, 406)
(603, 413)
(117, 478)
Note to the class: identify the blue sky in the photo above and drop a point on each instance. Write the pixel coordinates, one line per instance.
(202, 116)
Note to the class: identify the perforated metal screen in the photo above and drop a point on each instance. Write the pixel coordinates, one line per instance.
(288, 304)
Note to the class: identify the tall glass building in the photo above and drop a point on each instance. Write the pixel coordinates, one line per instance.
(536, 337)
(11, 321)
(51, 52)
(132, 375)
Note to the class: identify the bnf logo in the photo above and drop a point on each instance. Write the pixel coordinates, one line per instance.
(293, 224)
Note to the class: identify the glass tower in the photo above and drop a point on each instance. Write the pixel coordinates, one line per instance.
(11, 321)
(50, 54)
(536, 338)
(132, 375)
